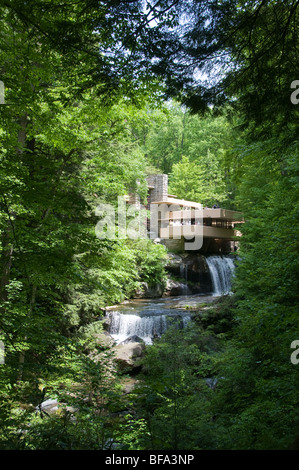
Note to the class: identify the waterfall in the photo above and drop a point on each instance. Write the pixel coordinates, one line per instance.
(125, 325)
(184, 275)
(146, 327)
(148, 319)
(221, 270)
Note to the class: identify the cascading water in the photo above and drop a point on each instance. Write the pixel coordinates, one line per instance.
(184, 275)
(150, 319)
(221, 270)
(124, 325)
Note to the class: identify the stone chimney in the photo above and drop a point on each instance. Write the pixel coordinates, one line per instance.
(158, 188)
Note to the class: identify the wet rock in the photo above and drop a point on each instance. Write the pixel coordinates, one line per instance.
(193, 268)
(106, 322)
(174, 263)
(132, 339)
(174, 288)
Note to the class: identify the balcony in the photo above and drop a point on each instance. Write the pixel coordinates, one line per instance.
(188, 231)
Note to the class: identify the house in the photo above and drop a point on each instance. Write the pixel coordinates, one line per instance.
(179, 220)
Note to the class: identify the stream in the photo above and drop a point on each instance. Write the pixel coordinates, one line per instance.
(150, 318)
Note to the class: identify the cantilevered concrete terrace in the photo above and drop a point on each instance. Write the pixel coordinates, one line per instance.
(179, 219)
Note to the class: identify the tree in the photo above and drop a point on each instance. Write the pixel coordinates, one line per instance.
(260, 392)
(199, 181)
(71, 139)
(62, 154)
(173, 397)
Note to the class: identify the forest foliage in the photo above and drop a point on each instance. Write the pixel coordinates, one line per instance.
(87, 116)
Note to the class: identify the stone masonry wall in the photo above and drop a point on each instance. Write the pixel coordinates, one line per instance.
(160, 190)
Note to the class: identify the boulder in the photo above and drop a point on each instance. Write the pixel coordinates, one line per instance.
(132, 339)
(126, 355)
(155, 291)
(174, 263)
(140, 293)
(52, 407)
(193, 268)
(106, 322)
(48, 406)
(128, 384)
(174, 288)
(149, 292)
(104, 339)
